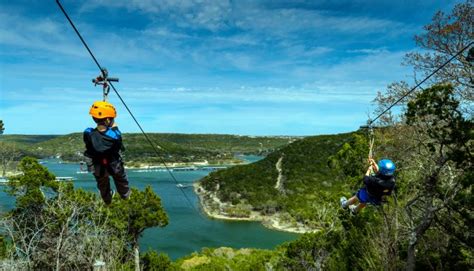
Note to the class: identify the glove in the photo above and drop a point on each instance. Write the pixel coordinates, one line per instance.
(89, 164)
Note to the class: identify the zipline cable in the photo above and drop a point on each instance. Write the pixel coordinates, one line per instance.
(424, 80)
(370, 122)
(126, 106)
(371, 146)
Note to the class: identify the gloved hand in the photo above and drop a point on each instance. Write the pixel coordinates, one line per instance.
(89, 164)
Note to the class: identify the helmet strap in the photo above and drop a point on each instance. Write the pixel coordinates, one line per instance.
(107, 122)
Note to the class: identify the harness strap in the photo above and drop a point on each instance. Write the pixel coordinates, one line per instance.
(371, 139)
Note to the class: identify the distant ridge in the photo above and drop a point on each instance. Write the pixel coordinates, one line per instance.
(175, 147)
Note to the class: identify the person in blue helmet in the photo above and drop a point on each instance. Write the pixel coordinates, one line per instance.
(378, 182)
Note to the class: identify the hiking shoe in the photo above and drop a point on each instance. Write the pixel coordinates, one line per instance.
(343, 201)
(353, 209)
(109, 201)
(127, 195)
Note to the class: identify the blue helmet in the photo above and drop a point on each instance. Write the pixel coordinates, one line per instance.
(386, 167)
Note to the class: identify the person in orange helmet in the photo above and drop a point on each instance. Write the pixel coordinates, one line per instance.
(103, 146)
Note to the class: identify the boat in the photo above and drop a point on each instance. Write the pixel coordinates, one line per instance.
(82, 168)
(64, 179)
(180, 185)
(3, 180)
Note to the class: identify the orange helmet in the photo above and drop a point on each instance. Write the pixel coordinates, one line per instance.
(102, 110)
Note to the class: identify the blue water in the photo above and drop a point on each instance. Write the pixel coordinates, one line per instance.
(188, 230)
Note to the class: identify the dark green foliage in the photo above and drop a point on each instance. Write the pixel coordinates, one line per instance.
(312, 251)
(308, 179)
(438, 251)
(305, 161)
(141, 211)
(1, 127)
(351, 159)
(229, 259)
(437, 111)
(3, 247)
(246, 183)
(152, 261)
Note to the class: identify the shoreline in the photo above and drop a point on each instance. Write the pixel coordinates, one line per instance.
(171, 165)
(144, 165)
(10, 174)
(272, 222)
(181, 165)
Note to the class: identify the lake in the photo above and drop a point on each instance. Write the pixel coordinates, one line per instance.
(188, 230)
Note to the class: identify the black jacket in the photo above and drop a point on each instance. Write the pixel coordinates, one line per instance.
(100, 145)
(379, 185)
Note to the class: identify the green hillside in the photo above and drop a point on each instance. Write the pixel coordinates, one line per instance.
(306, 181)
(173, 147)
(26, 139)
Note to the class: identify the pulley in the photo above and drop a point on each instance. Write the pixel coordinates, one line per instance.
(104, 79)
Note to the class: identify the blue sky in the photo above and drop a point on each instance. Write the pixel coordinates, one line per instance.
(237, 67)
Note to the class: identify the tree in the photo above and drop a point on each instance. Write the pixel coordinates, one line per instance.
(55, 226)
(143, 210)
(1, 127)
(152, 261)
(442, 184)
(29, 188)
(436, 147)
(315, 251)
(70, 232)
(441, 39)
(351, 159)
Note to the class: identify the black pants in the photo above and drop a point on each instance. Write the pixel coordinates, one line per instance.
(102, 170)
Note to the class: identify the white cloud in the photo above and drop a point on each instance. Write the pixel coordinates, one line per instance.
(369, 51)
(41, 33)
(282, 22)
(209, 14)
(217, 15)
